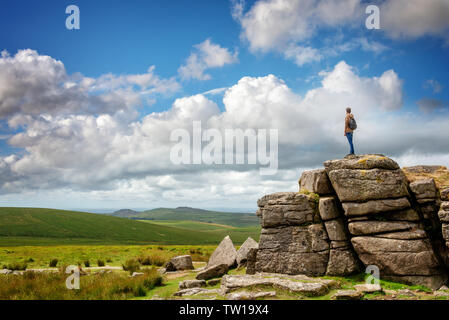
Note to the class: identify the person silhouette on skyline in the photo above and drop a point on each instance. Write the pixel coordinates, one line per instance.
(350, 126)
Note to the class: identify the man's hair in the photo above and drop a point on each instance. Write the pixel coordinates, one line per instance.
(348, 110)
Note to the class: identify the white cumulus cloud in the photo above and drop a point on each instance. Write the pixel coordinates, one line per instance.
(109, 156)
(205, 56)
(32, 84)
(292, 27)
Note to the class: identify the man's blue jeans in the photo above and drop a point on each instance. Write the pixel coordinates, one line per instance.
(349, 136)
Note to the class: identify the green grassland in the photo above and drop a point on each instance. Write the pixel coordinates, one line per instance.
(185, 213)
(34, 226)
(113, 255)
(191, 225)
(51, 286)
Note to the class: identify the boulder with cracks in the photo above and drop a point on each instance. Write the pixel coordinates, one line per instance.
(358, 211)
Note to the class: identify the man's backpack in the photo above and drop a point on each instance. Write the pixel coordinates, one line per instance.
(352, 124)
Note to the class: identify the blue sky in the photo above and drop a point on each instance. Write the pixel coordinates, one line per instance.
(124, 37)
(304, 46)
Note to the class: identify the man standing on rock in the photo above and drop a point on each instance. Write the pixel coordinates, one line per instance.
(350, 126)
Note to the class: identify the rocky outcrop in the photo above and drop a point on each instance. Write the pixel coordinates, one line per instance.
(359, 211)
(251, 259)
(304, 234)
(429, 186)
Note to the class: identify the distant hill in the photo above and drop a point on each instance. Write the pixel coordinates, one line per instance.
(125, 213)
(34, 226)
(234, 219)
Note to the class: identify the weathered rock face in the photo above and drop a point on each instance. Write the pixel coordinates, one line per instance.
(315, 181)
(303, 246)
(424, 189)
(251, 259)
(429, 187)
(444, 194)
(359, 210)
(399, 248)
(373, 184)
(287, 208)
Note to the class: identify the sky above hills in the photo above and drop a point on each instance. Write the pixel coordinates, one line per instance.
(86, 115)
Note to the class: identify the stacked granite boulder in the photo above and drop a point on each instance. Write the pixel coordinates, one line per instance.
(432, 198)
(303, 234)
(342, 260)
(386, 231)
(358, 211)
(293, 239)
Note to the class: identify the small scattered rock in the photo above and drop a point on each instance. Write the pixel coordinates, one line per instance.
(213, 282)
(137, 274)
(179, 263)
(195, 291)
(246, 295)
(188, 284)
(390, 292)
(368, 288)
(406, 292)
(5, 271)
(347, 295)
(439, 293)
(212, 272)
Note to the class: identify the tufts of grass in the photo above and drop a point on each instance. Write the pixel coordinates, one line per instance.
(398, 286)
(16, 266)
(100, 263)
(154, 258)
(51, 286)
(131, 265)
(313, 196)
(53, 263)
